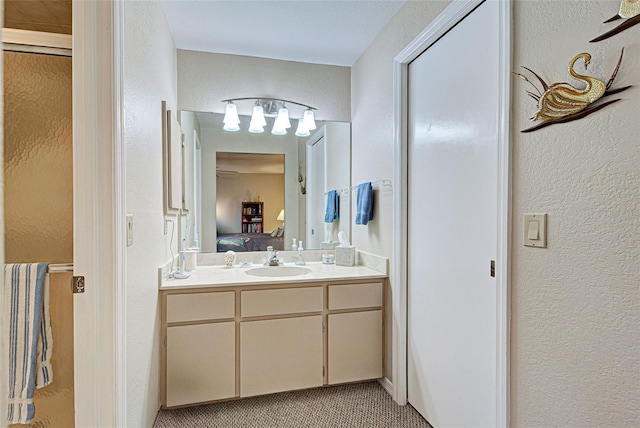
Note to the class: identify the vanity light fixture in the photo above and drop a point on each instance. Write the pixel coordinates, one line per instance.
(258, 121)
(309, 120)
(270, 107)
(231, 119)
(282, 122)
(302, 130)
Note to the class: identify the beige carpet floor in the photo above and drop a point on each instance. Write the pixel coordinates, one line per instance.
(359, 405)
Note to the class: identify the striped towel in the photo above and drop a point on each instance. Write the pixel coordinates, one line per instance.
(28, 328)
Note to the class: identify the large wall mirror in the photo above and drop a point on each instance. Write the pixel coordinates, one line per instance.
(247, 191)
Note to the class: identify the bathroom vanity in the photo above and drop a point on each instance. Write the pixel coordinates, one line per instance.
(229, 334)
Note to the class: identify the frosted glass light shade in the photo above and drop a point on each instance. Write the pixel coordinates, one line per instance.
(257, 116)
(232, 128)
(302, 130)
(258, 121)
(309, 120)
(231, 119)
(255, 129)
(278, 131)
(282, 121)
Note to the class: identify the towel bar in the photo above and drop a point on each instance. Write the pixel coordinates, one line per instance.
(62, 267)
(377, 184)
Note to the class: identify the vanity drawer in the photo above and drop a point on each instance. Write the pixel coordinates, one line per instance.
(353, 296)
(257, 303)
(200, 306)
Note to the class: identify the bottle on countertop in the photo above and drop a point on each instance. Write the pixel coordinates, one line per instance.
(300, 261)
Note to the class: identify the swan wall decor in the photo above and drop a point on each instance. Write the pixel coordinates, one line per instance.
(629, 9)
(562, 102)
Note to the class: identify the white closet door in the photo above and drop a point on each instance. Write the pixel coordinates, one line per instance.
(316, 188)
(452, 220)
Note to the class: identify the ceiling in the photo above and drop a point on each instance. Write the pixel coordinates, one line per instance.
(249, 163)
(333, 32)
(51, 16)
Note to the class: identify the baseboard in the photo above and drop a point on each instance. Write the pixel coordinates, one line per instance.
(387, 385)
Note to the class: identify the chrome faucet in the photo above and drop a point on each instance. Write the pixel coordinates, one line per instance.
(273, 260)
(272, 257)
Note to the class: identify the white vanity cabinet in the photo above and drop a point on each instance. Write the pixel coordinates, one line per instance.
(355, 338)
(238, 341)
(200, 347)
(281, 354)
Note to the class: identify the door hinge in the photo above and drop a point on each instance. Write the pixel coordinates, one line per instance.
(164, 340)
(493, 268)
(322, 371)
(323, 327)
(77, 284)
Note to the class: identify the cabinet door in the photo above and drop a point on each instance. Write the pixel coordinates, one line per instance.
(355, 346)
(280, 355)
(201, 363)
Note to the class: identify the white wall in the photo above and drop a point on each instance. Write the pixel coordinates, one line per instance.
(149, 78)
(575, 339)
(575, 348)
(206, 78)
(372, 131)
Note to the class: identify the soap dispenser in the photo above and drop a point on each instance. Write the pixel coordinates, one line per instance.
(300, 261)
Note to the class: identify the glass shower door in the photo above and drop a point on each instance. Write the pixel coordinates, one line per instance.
(38, 202)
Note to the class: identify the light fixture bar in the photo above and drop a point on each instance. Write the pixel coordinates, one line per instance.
(271, 107)
(269, 99)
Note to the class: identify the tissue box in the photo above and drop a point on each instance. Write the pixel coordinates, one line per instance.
(345, 256)
(324, 245)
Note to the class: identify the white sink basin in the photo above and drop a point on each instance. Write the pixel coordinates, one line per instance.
(276, 271)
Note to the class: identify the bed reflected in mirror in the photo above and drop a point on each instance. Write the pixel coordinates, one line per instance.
(250, 199)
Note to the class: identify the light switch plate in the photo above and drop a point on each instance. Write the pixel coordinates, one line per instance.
(532, 239)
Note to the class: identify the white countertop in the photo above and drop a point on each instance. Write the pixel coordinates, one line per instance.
(222, 276)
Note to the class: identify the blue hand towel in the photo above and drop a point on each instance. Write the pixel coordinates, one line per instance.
(28, 330)
(333, 207)
(364, 203)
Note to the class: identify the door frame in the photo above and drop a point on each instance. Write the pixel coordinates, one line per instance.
(99, 214)
(448, 19)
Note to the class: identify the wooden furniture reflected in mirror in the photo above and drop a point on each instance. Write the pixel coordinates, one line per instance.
(252, 217)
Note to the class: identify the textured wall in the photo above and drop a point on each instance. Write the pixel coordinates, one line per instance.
(206, 78)
(150, 77)
(38, 200)
(372, 130)
(575, 348)
(575, 305)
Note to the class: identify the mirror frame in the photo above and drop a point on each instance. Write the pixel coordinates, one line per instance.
(172, 162)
